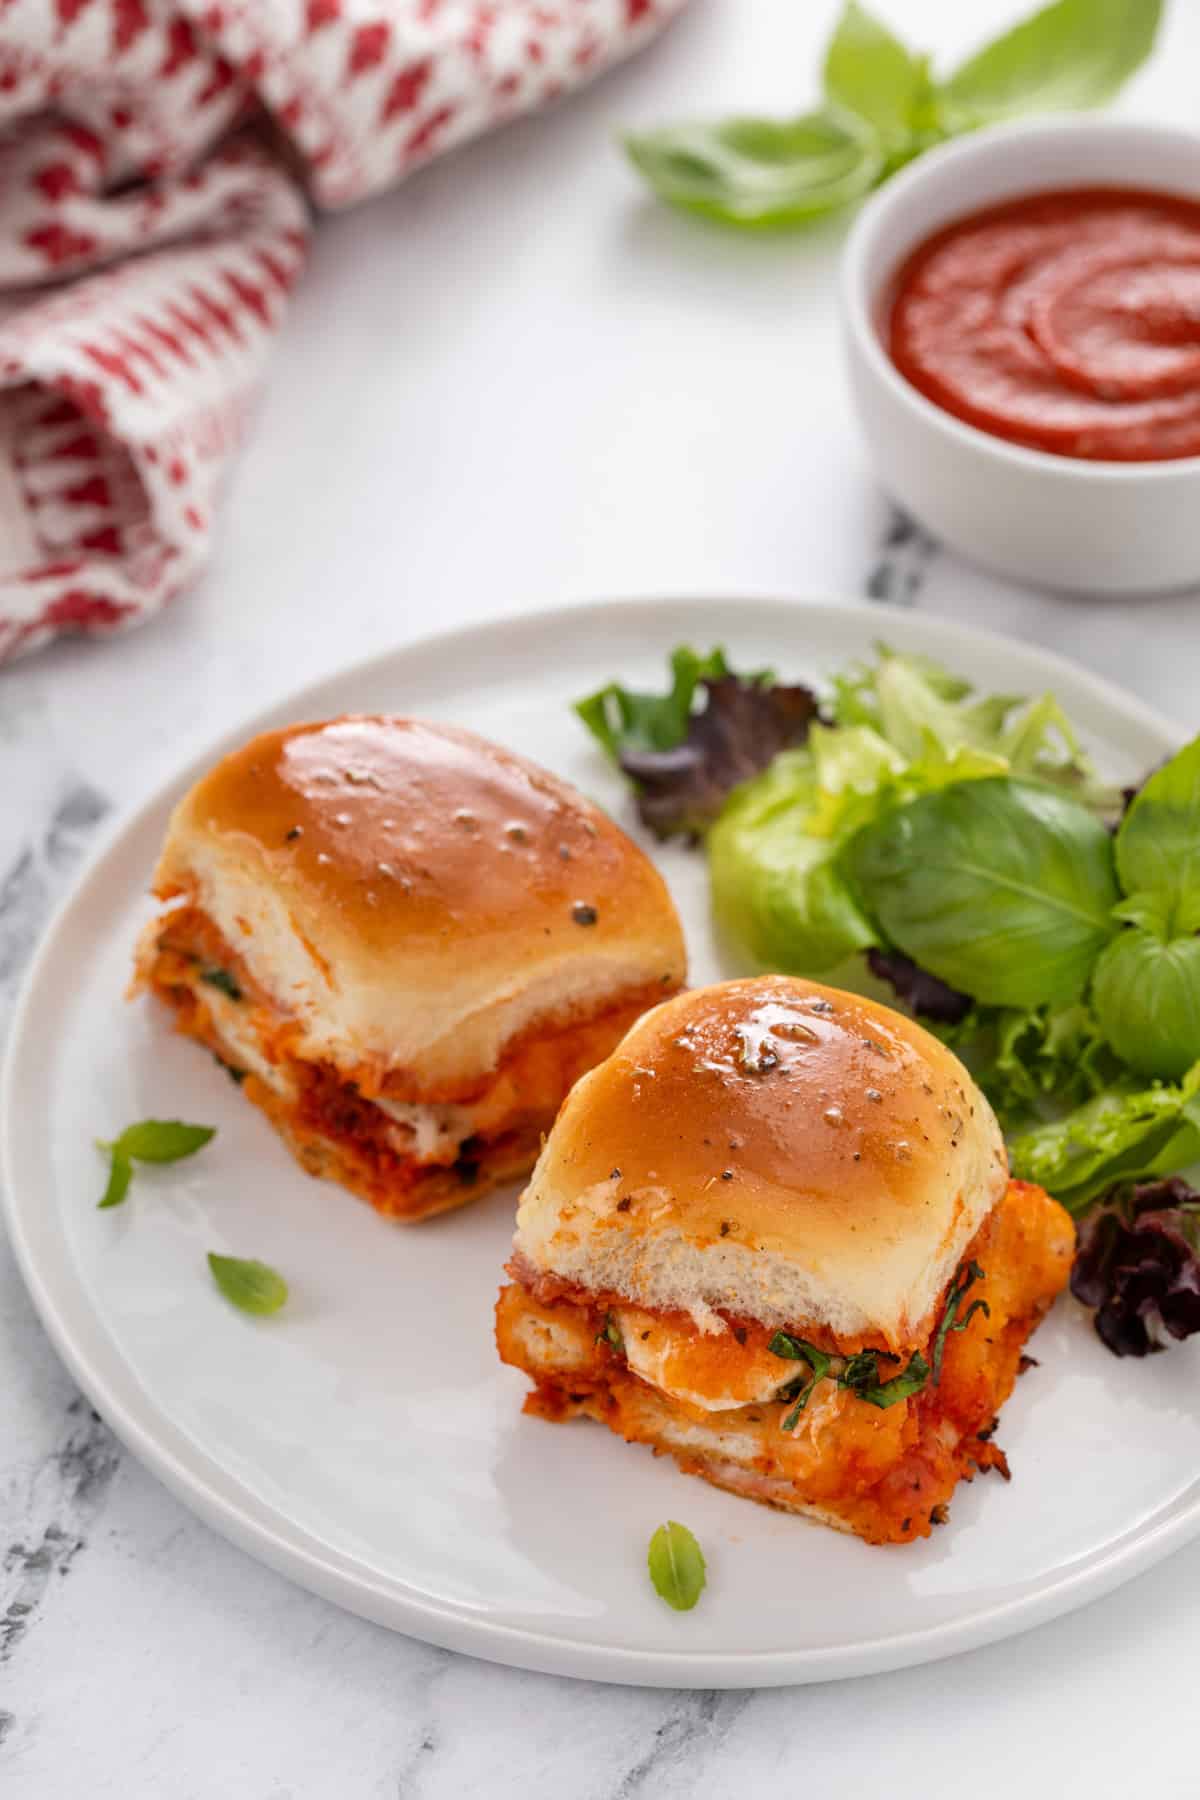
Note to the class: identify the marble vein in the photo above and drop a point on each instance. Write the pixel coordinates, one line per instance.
(35, 879)
(902, 563)
(689, 1734)
(63, 1496)
(48, 1514)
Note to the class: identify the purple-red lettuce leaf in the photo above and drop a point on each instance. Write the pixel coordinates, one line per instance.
(923, 993)
(1136, 1265)
(740, 730)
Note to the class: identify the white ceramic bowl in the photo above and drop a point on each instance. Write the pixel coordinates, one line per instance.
(1056, 521)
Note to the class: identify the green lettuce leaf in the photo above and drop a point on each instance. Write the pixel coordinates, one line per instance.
(1028, 1058)
(622, 719)
(903, 727)
(1125, 1133)
(929, 715)
(775, 886)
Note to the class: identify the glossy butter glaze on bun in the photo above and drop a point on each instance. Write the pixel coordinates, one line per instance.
(785, 1150)
(772, 1163)
(419, 940)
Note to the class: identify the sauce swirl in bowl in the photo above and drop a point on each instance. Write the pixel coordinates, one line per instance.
(1066, 321)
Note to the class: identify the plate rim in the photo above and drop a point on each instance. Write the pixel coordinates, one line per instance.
(442, 1623)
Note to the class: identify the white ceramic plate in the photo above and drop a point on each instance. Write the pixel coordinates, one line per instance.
(366, 1441)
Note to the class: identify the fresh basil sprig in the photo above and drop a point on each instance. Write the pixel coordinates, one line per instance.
(151, 1141)
(253, 1287)
(677, 1566)
(883, 106)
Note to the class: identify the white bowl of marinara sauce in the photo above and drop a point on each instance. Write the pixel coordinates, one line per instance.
(1103, 329)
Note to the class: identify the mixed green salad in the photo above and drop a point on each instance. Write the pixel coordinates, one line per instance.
(961, 849)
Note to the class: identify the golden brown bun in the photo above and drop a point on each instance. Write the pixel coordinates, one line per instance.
(771, 1149)
(416, 896)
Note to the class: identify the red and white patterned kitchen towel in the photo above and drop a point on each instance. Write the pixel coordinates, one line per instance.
(153, 161)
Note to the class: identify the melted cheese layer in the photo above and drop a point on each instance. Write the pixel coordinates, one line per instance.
(711, 1372)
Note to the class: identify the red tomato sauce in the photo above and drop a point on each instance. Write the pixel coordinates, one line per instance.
(1066, 321)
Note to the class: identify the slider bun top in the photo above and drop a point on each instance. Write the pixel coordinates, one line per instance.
(416, 897)
(775, 1150)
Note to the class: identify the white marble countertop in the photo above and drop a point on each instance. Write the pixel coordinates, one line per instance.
(512, 383)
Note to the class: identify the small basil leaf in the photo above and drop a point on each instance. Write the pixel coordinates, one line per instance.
(1074, 53)
(163, 1140)
(868, 71)
(677, 1567)
(120, 1173)
(794, 1349)
(1146, 999)
(1004, 889)
(760, 172)
(801, 1394)
(223, 981)
(965, 1277)
(901, 1387)
(254, 1287)
(1158, 844)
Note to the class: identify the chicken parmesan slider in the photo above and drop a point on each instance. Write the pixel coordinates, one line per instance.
(773, 1235)
(406, 943)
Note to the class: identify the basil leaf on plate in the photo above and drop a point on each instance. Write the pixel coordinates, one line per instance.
(1146, 999)
(1158, 844)
(120, 1174)
(150, 1140)
(254, 1287)
(1004, 889)
(164, 1140)
(1075, 53)
(760, 172)
(677, 1566)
